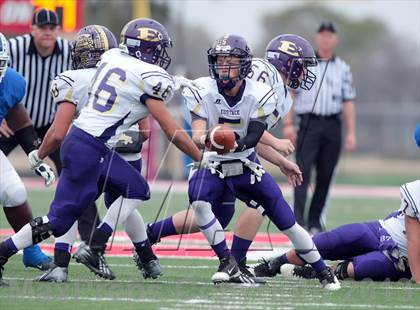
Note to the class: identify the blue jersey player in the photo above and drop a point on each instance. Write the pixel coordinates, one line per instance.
(12, 191)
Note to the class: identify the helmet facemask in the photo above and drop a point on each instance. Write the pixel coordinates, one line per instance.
(299, 74)
(295, 69)
(243, 67)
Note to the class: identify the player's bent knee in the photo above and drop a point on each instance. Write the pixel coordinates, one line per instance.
(200, 206)
(41, 229)
(202, 212)
(14, 195)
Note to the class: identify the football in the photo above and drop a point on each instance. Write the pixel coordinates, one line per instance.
(221, 138)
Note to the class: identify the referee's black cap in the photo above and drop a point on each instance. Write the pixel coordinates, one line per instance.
(328, 26)
(44, 17)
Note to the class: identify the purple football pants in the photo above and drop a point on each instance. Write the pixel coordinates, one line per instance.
(208, 187)
(87, 165)
(359, 243)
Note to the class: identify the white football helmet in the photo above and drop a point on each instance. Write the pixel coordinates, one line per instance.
(4, 55)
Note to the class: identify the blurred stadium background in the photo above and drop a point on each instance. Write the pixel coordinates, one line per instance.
(379, 39)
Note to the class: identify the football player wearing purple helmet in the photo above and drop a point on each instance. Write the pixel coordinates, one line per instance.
(292, 56)
(127, 86)
(249, 222)
(69, 91)
(147, 40)
(244, 104)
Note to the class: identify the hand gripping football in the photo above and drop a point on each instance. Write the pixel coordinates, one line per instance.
(221, 138)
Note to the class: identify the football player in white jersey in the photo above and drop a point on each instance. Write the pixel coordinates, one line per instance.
(70, 92)
(130, 83)
(378, 250)
(243, 104)
(280, 68)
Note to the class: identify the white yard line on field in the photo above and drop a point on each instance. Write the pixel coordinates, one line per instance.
(285, 284)
(206, 303)
(163, 266)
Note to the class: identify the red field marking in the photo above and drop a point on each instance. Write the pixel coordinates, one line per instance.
(199, 249)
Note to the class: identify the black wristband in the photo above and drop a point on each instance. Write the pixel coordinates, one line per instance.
(254, 133)
(28, 139)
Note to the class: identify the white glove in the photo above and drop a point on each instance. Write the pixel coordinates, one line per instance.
(181, 82)
(34, 160)
(257, 171)
(41, 168)
(207, 163)
(45, 171)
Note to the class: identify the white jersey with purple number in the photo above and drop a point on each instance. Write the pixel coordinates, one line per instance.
(258, 101)
(265, 72)
(73, 86)
(118, 92)
(395, 223)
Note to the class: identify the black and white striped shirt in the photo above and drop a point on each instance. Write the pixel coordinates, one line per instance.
(336, 88)
(38, 72)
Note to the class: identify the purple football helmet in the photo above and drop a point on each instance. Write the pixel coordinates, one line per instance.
(230, 45)
(147, 40)
(90, 43)
(292, 56)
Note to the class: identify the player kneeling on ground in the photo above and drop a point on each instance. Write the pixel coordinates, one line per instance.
(379, 250)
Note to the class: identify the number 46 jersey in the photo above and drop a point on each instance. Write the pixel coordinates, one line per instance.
(118, 94)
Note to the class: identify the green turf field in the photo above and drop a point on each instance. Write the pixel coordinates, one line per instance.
(186, 282)
(340, 211)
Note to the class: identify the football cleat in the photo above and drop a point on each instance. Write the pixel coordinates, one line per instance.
(247, 271)
(151, 269)
(304, 272)
(326, 277)
(244, 279)
(94, 260)
(228, 269)
(33, 257)
(55, 274)
(328, 280)
(267, 268)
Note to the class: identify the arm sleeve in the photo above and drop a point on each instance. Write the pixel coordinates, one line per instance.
(28, 139)
(348, 90)
(255, 131)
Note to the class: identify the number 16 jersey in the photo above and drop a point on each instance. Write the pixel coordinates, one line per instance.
(118, 93)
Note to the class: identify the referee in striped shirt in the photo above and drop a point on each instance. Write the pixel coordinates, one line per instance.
(40, 56)
(319, 135)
